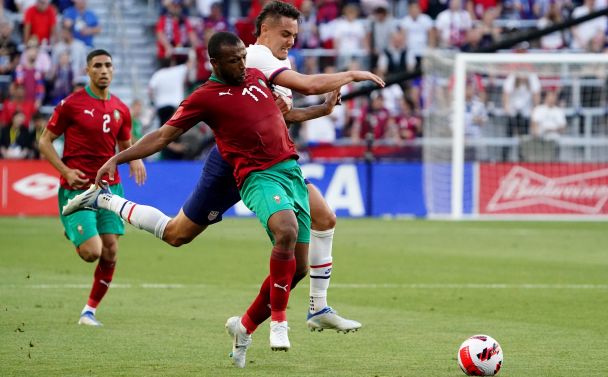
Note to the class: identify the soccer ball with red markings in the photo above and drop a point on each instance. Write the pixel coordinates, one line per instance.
(480, 355)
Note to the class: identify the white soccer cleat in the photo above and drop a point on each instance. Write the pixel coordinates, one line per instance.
(86, 199)
(279, 341)
(240, 341)
(88, 318)
(330, 320)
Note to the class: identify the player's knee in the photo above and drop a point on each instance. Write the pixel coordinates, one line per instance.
(286, 234)
(326, 221)
(89, 254)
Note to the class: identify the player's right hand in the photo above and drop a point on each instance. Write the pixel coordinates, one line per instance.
(108, 169)
(367, 76)
(76, 179)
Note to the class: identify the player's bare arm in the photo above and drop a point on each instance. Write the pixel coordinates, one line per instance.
(146, 146)
(312, 112)
(137, 170)
(75, 177)
(323, 82)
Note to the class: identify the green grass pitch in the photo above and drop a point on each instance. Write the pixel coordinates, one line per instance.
(419, 288)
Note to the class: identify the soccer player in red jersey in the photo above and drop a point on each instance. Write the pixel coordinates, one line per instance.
(93, 123)
(252, 137)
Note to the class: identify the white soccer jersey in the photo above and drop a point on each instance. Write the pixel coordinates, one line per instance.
(260, 57)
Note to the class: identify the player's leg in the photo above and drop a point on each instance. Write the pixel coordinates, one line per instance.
(320, 315)
(81, 229)
(264, 195)
(213, 195)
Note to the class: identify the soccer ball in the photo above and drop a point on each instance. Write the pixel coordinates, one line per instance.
(480, 355)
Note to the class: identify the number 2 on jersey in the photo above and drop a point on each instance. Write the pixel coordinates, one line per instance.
(106, 121)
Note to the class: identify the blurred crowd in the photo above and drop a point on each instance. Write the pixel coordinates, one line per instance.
(43, 44)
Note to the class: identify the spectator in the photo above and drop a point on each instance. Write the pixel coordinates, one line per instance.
(16, 139)
(39, 121)
(555, 40)
(374, 120)
(525, 9)
(9, 56)
(408, 121)
(521, 93)
(61, 76)
(585, 32)
(308, 35)
(327, 11)
(381, 27)
(418, 29)
(490, 33)
(349, 38)
(433, 7)
(548, 119)
(215, 20)
(42, 59)
(76, 49)
(478, 8)
(39, 21)
(167, 89)
(62, 5)
(173, 31)
(83, 21)
(30, 77)
(452, 25)
(396, 57)
(16, 103)
(475, 115)
(392, 95)
(319, 130)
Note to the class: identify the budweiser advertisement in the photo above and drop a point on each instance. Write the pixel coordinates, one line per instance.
(548, 188)
(28, 188)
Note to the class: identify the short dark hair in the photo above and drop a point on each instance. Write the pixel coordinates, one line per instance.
(275, 9)
(220, 39)
(98, 52)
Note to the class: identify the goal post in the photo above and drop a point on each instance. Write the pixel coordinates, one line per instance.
(515, 135)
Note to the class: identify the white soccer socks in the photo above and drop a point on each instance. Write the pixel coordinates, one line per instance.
(320, 261)
(143, 217)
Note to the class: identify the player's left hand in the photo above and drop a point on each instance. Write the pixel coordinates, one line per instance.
(284, 103)
(138, 171)
(332, 99)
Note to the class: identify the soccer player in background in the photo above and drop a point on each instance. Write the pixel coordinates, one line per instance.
(256, 142)
(93, 122)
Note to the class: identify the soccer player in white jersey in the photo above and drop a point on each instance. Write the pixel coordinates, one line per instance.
(216, 192)
(276, 30)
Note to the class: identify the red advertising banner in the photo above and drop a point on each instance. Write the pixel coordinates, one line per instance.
(28, 188)
(547, 188)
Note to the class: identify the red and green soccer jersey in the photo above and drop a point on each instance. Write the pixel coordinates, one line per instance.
(249, 128)
(91, 127)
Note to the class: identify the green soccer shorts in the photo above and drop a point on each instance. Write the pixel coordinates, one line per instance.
(82, 225)
(280, 187)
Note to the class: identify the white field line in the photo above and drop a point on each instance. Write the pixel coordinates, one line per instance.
(335, 285)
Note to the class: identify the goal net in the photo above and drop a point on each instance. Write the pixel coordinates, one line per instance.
(515, 135)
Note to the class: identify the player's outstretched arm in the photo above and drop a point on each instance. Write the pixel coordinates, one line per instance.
(137, 170)
(302, 114)
(146, 146)
(74, 177)
(323, 82)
